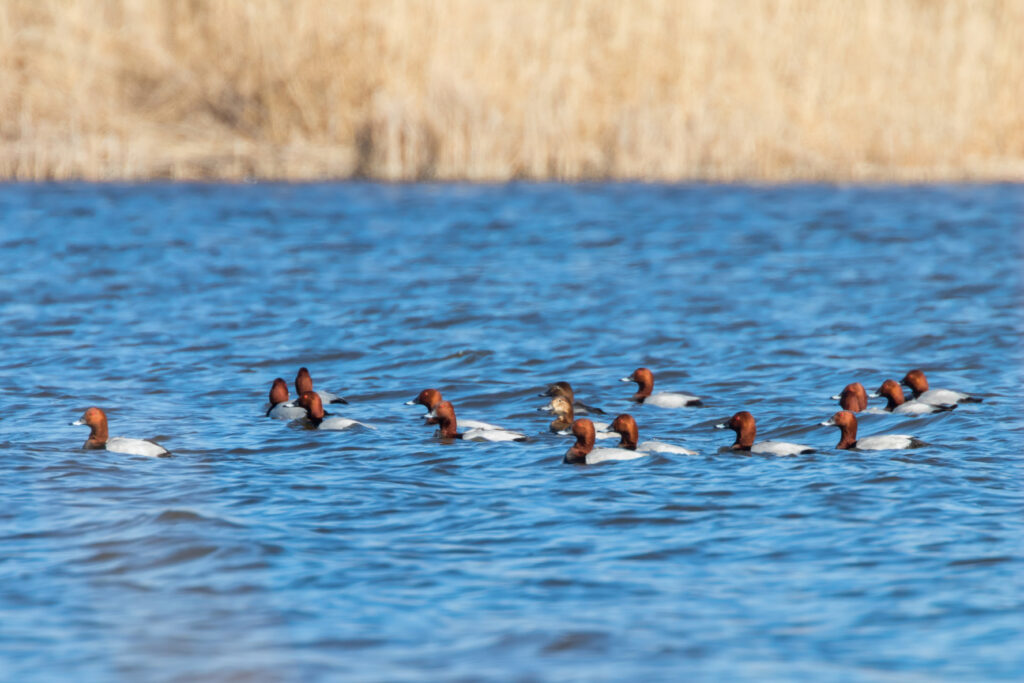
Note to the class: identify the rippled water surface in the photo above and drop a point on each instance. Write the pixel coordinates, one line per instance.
(263, 551)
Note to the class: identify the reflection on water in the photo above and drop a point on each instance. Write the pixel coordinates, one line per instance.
(263, 551)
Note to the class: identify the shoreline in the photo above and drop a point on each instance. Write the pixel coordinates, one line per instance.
(457, 90)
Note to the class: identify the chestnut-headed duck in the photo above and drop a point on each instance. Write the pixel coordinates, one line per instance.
(280, 406)
(320, 419)
(918, 385)
(893, 393)
(847, 423)
(304, 383)
(564, 389)
(625, 426)
(583, 452)
(745, 426)
(565, 416)
(98, 439)
(431, 398)
(663, 399)
(853, 397)
(444, 413)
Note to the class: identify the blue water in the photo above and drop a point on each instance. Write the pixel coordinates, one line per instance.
(262, 551)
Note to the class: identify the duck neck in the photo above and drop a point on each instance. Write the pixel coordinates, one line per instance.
(847, 436)
(97, 436)
(448, 428)
(629, 439)
(578, 452)
(315, 413)
(561, 423)
(744, 438)
(564, 419)
(644, 388)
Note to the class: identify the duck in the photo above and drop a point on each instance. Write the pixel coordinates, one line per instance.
(583, 452)
(745, 426)
(431, 398)
(444, 413)
(897, 404)
(280, 406)
(564, 389)
(847, 423)
(853, 397)
(625, 426)
(311, 402)
(645, 381)
(562, 407)
(96, 420)
(304, 383)
(918, 385)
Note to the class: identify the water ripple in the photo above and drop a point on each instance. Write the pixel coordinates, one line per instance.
(266, 551)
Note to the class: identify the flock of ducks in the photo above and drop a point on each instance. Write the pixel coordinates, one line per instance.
(308, 408)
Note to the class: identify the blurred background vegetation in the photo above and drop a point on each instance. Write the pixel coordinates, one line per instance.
(493, 90)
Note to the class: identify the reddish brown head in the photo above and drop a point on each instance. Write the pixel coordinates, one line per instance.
(853, 397)
(444, 413)
(745, 426)
(583, 430)
(625, 425)
(429, 398)
(847, 423)
(917, 382)
(893, 392)
(313, 405)
(96, 420)
(303, 382)
(645, 383)
(278, 392)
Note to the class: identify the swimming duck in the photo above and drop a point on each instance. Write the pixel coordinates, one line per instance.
(431, 398)
(745, 426)
(564, 389)
(444, 413)
(625, 426)
(896, 403)
(316, 416)
(847, 423)
(645, 382)
(98, 439)
(564, 417)
(918, 385)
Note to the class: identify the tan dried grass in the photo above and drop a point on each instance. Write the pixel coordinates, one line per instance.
(542, 89)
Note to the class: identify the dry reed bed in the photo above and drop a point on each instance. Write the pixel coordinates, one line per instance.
(468, 89)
